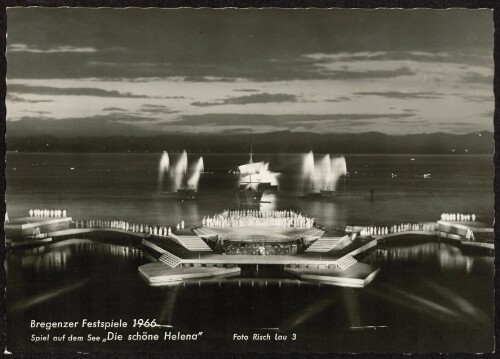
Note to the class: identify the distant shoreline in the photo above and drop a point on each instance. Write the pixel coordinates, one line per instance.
(276, 142)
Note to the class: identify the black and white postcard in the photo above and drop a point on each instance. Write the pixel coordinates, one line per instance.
(249, 180)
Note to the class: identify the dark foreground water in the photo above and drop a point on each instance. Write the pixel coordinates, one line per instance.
(428, 297)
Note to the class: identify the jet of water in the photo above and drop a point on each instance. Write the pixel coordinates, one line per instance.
(195, 177)
(163, 167)
(324, 174)
(180, 170)
(339, 168)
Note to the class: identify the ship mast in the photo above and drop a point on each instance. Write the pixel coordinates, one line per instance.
(251, 161)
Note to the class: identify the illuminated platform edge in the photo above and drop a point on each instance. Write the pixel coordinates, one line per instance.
(357, 275)
(156, 275)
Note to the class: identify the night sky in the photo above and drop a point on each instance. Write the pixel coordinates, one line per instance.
(154, 71)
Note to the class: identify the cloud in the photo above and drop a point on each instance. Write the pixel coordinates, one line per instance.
(156, 109)
(403, 95)
(368, 74)
(339, 99)
(477, 78)
(113, 109)
(15, 98)
(57, 49)
(246, 90)
(477, 57)
(249, 99)
(69, 91)
(208, 79)
(37, 112)
(164, 111)
(477, 98)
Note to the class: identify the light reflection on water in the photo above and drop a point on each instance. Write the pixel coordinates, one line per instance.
(54, 258)
(438, 256)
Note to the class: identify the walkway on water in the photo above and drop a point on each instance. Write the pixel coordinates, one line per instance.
(78, 231)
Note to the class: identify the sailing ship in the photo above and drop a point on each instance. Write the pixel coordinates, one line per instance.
(255, 179)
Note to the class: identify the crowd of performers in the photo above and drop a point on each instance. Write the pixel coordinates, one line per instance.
(54, 213)
(458, 217)
(404, 227)
(247, 218)
(258, 249)
(126, 226)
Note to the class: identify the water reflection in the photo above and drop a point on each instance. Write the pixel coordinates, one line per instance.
(54, 258)
(445, 257)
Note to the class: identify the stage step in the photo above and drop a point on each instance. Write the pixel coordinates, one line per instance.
(346, 261)
(204, 232)
(193, 243)
(323, 245)
(170, 260)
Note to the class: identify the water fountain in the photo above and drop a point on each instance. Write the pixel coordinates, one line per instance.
(163, 167)
(179, 171)
(180, 187)
(195, 177)
(320, 178)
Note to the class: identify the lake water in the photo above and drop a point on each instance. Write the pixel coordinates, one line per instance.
(428, 297)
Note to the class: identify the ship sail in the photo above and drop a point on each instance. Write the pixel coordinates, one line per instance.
(250, 179)
(250, 169)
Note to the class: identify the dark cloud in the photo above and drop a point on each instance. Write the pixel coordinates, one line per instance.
(229, 43)
(148, 105)
(477, 56)
(246, 90)
(77, 91)
(476, 98)
(249, 99)
(207, 79)
(477, 78)
(411, 121)
(15, 98)
(156, 109)
(113, 109)
(38, 112)
(339, 99)
(164, 111)
(368, 74)
(403, 95)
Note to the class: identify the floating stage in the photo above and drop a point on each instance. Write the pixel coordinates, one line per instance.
(183, 258)
(357, 275)
(259, 233)
(22, 227)
(158, 274)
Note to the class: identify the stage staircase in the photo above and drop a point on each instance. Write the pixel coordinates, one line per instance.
(191, 243)
(323, 245)
(204, 232)
(346, 261)
(170, 260)
(312, 233)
